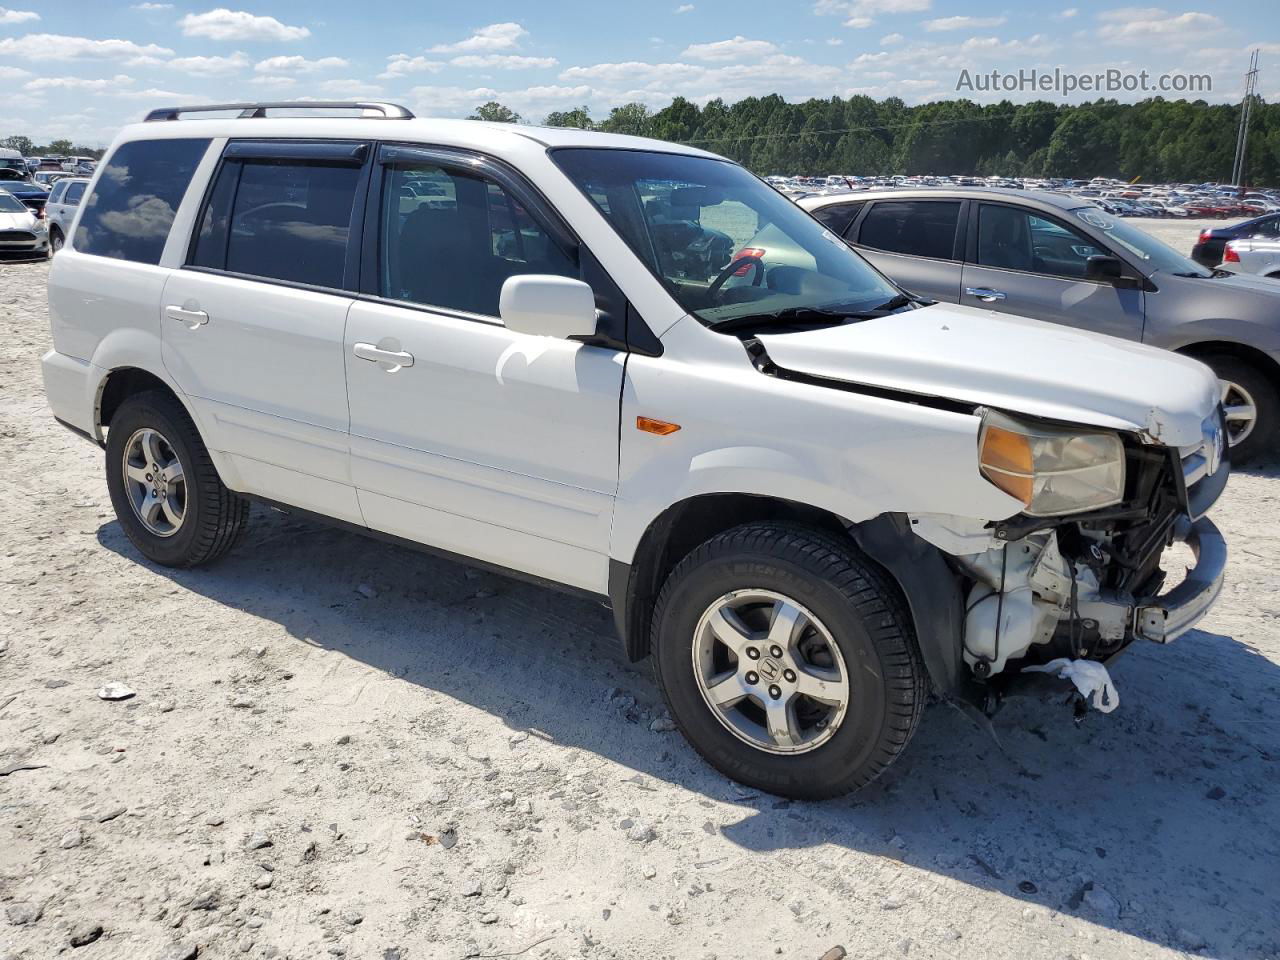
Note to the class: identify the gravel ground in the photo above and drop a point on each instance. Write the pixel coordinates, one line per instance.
(340, 748)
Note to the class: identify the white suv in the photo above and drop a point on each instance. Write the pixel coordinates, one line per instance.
(811, 497)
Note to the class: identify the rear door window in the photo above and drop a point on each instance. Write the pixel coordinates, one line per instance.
(921, 228)
(55, 195)
(130, 211)
(280, 220)
(838, 217)
(74, 193)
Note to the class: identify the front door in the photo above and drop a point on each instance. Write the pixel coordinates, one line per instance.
(253, 324)
(1033, 265)
(466, 436)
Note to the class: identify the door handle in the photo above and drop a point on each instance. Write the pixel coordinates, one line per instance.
(986, 294)
(195, 318)
(389, 360)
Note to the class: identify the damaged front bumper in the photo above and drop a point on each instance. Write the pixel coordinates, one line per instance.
(1172, 614)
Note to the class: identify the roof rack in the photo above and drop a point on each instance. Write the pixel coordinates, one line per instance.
(389, 111)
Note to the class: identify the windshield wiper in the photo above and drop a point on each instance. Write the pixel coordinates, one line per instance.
(814, 314)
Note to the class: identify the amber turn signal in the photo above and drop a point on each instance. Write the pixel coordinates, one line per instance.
(660, 427)
(1007, 462)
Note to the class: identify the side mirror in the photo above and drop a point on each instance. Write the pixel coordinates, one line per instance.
(1107, 270)
(545, 305)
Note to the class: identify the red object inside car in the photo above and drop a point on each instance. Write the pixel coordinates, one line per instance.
(743, 270)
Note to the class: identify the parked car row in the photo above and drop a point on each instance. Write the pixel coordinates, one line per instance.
(813, 496)
(1117, 198)
(50, 198)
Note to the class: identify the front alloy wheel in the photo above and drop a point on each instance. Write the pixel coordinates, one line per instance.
(1240, 410)
(788, 659)
(770, 671)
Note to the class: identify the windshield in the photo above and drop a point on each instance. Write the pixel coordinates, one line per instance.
(725, 244)
(1154, 254)
(11, 204)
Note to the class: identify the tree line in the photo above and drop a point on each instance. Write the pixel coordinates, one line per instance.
(1155, 140)
(55, 148)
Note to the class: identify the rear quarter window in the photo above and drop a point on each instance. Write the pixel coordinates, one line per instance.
(130, 211)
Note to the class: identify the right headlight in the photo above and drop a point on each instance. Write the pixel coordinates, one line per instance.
(1052, 470)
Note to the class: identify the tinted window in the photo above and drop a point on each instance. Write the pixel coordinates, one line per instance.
(451, 239)
(10, 204)
(1019, 240)
(838, 216)
(923, 228)
(1268, 228)
(129, 212)
(55, 195)
(286, 221)
(74, 192)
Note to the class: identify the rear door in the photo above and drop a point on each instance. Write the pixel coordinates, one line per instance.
(1032, 264)
(253, 323)
(916, 243)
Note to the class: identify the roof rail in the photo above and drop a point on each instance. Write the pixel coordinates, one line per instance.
(389, 111)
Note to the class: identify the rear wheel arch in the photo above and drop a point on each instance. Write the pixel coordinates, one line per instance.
(122, 383)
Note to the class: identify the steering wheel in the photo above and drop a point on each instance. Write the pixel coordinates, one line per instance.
(733, 267)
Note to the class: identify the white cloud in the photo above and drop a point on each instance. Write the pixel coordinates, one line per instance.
(402, 65)
(496, 36)
(275, 82)
(17, 16)
(962, 23)
(736, 48)
(345, 89)
(891, 39)
(295, 64)
(52, 46)
(861, 14)
(208, 66)
(1066, 14)
(13, 73)
(155, 94)
(858, 23)
(834, 41)
(502, 61)
(224, 24)
(685, 8)
(1129, 24)
(86, 84)
(433, 101)
(151, 7)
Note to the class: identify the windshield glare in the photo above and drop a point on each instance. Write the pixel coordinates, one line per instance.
(1154, 254)
(723, 242)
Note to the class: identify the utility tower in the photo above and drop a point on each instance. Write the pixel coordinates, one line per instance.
(1246, 107)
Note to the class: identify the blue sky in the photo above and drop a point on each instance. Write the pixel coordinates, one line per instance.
(81, 69)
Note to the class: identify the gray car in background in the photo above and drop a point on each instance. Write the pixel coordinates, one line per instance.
(1058, 258)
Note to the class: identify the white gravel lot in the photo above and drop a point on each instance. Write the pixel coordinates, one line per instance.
(340, 748)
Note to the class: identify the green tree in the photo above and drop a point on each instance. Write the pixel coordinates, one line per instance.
(59, 148)
(633, 119)
(22, 144)
(578, 117)
(495, 112)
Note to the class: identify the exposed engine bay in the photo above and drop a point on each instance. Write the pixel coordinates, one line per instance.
(1039, 590)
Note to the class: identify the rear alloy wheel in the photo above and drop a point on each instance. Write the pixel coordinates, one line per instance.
(164, 487)
(788, 660)
(1251, 405)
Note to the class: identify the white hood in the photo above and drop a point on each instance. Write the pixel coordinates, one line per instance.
(1014, 364)
(16, 221)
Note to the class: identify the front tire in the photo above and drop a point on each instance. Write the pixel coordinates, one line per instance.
(165, 490)
(1251, 402)
(788, 660)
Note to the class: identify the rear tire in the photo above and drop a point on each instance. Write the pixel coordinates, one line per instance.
(56, 240)
(1248, 385)
(180, 515)
(852, 633)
